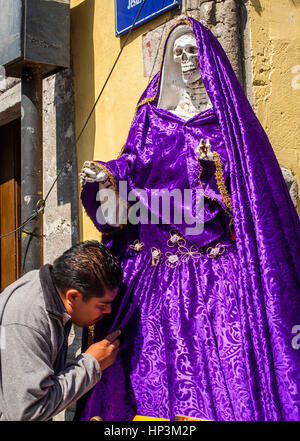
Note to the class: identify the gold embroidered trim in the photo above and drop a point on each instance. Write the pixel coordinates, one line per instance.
(183, 253)
(107, 171)
(100, 232)
(215, 251)
(175, 239)
(123, 147)
(156, 254)
(187, 253)
(137, 245)
(219, 170)
(220, 181)
(91, 334)
(172, 260)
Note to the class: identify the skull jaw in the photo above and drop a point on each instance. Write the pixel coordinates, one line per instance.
(191, 76)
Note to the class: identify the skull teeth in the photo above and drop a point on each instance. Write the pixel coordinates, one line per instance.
(188, 68)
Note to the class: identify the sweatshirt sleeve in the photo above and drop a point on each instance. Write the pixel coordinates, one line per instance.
(31, 390)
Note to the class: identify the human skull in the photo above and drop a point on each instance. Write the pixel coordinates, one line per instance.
(186, 53)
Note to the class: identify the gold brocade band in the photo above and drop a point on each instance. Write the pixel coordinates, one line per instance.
(220, 181)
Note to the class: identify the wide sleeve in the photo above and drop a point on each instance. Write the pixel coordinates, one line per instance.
(108, 207)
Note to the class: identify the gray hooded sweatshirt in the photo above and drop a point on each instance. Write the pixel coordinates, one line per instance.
(32, 385)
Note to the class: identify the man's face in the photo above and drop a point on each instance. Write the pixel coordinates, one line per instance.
(90, 312)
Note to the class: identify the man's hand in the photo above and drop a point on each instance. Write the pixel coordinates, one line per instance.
(92, 173)
(105, 351)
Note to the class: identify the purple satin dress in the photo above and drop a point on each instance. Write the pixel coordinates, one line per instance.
(207, 318)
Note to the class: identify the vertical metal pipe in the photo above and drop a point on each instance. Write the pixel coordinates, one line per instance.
(31, 168)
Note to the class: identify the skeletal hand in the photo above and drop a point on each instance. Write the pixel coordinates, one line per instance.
(204, 151)
(92, 173)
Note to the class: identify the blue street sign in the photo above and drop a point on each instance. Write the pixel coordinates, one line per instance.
(127, 10)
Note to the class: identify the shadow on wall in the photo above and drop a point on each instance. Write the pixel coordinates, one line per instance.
(296, 3)
(257, 6)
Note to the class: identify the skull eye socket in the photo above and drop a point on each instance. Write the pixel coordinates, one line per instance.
(191, 50)
(178, 51)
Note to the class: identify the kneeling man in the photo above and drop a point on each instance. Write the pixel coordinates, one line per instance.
(36, 314)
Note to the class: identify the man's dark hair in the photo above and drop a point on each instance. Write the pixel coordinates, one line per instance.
(89, 267)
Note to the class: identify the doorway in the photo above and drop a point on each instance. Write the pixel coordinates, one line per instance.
(10, 202)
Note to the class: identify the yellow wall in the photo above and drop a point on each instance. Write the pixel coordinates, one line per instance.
(94, 49)
(275, 53)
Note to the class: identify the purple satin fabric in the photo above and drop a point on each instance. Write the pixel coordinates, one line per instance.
(161, 154)
(211, 337)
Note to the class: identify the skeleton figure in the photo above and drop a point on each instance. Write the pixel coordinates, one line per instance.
(190, 95)
(193, 96)
(187, 99)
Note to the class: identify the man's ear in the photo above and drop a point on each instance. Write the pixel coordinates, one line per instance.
(72, 295)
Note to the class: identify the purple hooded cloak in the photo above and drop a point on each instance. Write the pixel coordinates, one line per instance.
(207, 319)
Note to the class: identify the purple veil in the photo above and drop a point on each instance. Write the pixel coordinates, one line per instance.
(266, 225)
(267, 231)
